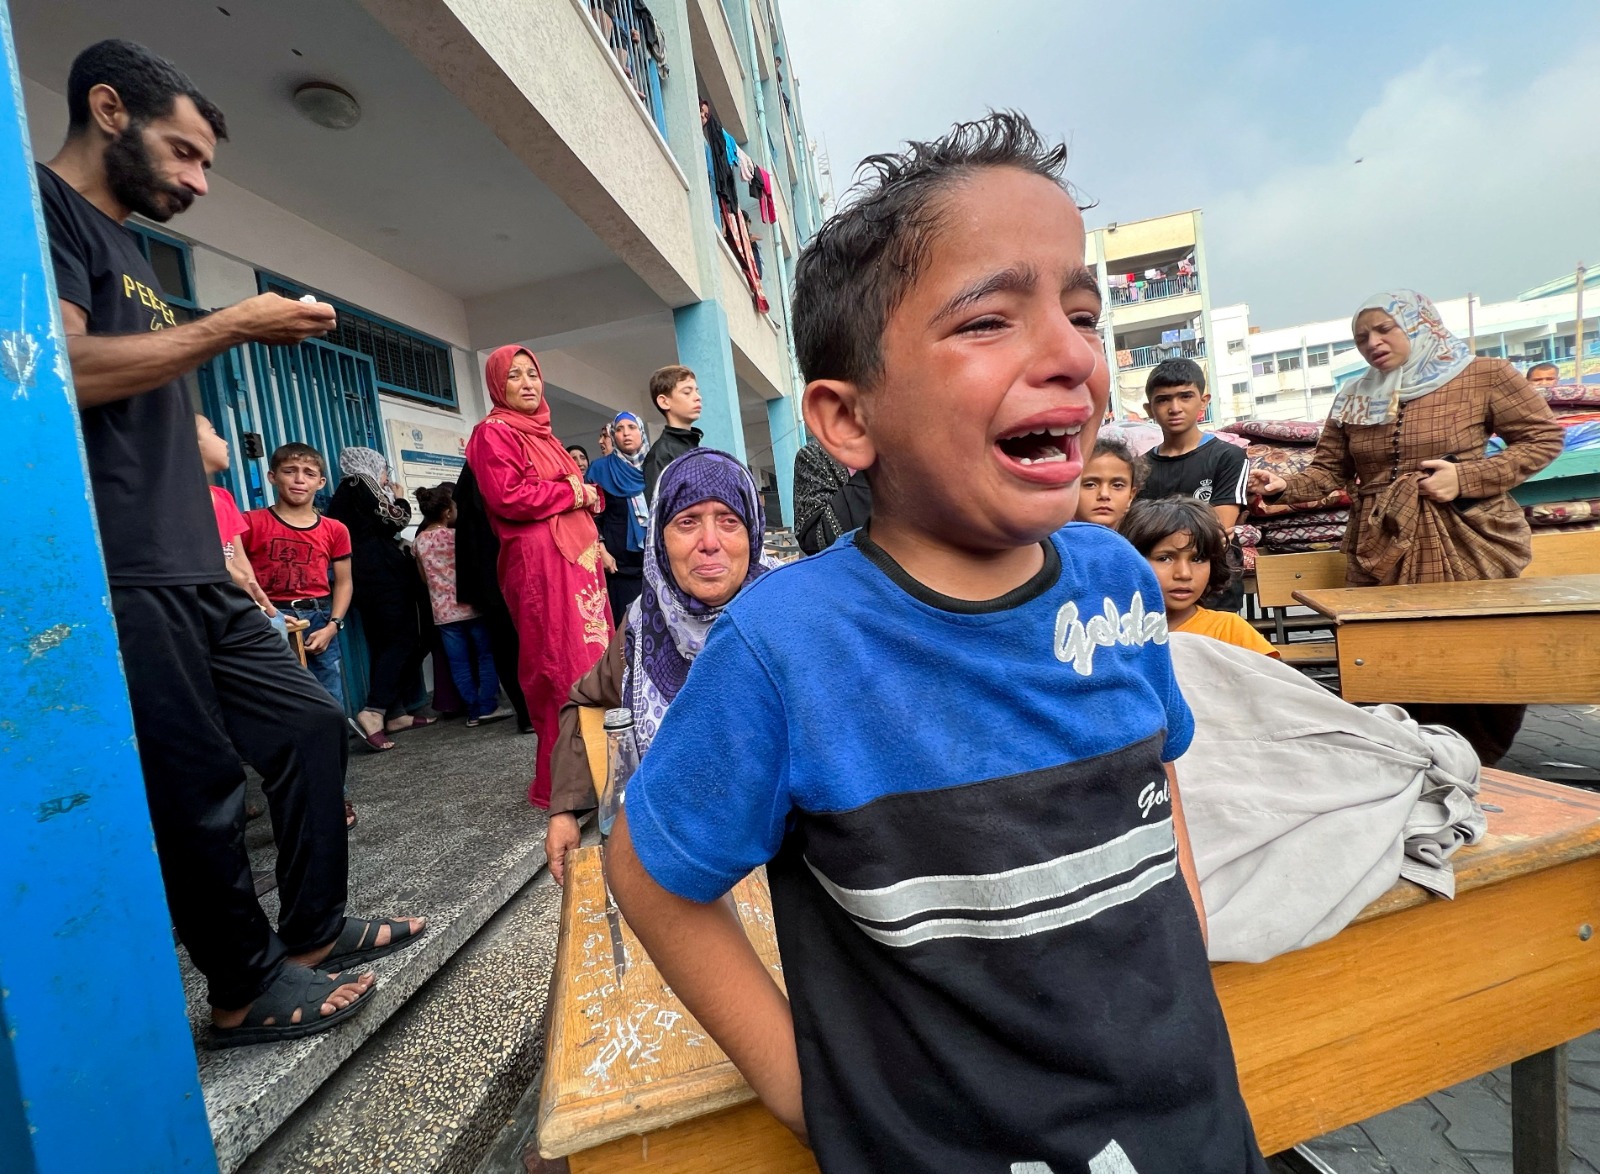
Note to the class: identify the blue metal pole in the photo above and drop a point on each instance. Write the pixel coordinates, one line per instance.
(97, 1065)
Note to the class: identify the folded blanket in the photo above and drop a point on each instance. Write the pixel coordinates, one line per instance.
(1304, 809)
(1295, 431)
(1561, 513)
(1572, 395)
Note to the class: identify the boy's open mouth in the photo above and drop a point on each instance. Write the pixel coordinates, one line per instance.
(1042, 446)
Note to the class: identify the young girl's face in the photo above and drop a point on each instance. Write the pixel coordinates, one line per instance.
(1105, 491)
(1184, 574)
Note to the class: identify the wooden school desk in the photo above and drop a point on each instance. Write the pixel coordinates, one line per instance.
(1511, 641)
(1417, 994)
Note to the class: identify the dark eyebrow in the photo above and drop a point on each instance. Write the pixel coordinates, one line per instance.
(1017, 279)
(1083, 280)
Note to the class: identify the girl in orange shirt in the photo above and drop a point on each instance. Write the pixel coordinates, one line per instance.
(1188, 550)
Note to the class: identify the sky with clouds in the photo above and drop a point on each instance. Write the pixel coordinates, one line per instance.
(1477, 126)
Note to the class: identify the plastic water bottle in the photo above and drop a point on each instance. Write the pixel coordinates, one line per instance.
(622, 759)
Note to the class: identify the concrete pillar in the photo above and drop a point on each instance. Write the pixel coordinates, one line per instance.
(702, 331)
(783, 421)
(97, 1065)
(702, 328)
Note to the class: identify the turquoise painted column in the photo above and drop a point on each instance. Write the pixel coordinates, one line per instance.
(97, 1066)
(703, 345)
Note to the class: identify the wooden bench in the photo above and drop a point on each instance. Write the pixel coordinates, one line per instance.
(295, 628)
(1417, 994)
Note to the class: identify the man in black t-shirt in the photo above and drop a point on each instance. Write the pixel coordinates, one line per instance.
(209, 680)
(1187, 462)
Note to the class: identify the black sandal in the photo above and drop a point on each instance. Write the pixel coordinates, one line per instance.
(352, 947)
(297, 988)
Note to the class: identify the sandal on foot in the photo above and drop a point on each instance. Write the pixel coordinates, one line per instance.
(350, 816)
(416, 723)
(377, 741)
(354, 945)
(297, 988)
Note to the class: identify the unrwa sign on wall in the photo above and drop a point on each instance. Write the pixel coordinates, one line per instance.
(424, 456)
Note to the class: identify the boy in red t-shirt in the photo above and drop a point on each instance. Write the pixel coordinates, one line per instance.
(230, 523)
(293, 548)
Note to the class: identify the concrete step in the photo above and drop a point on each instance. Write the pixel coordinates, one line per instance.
(445, 831)
(434, 1089)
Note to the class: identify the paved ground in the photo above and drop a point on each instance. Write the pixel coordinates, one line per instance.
(1467, 1129)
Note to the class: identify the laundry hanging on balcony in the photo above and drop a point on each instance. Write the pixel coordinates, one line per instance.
(761, 190)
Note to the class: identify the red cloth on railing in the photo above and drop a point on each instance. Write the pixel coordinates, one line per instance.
(768, 206)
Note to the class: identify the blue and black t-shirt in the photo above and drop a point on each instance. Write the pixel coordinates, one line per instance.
(993, 962)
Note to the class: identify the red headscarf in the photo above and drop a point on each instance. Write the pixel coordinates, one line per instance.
(574, 529)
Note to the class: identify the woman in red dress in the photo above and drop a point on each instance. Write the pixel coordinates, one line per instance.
(549, 566)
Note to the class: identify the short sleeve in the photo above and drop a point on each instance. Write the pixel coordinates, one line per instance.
(1157, 662)
(1233, 474)
(710, 800)
(67, 254)
(230, 521)
(338, 539)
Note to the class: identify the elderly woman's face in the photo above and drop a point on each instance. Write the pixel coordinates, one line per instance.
(1381, 340)
(708, 549)
(524, 386)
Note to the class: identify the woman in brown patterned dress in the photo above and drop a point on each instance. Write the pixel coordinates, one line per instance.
(1408, 438)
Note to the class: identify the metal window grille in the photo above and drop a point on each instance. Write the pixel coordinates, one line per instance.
(407, 364)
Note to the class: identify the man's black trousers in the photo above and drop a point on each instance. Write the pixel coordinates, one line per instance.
(214, 686)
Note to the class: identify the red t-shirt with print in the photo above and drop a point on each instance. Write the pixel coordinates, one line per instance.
(292, 562)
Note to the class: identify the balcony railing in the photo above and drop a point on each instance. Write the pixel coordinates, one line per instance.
(1151, 291)
(1149, 356)
(635, 41)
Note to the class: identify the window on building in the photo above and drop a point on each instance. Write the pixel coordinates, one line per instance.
(1340, 348)
(169, 257)
(1242, 388)
(1537, 350)
(1491, 352)
(1261, 365)
(1288, 360)
(409, 364)
(1317, 356)
(1269, 398)
(1235, 345)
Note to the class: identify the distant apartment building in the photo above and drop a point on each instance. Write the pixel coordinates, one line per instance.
(1294, 370)
(454, 175)
(1152, 277)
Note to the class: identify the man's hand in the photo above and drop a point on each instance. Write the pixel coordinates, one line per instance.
(318, 641)
(561, 835)
(278, 321)
(1443, 482)
(1265, 484)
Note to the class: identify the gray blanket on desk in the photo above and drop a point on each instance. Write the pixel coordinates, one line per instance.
(1302, 808)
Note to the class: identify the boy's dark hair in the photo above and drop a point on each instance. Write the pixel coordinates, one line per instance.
(148, 85)
(436, 502)
(665, 381)
(1117, 447)
(861, 263)
(1148, 522)
(1175, 373)
(294, 450)
(1541, 367)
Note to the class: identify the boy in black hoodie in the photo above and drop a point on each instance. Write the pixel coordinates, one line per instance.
(676, 396)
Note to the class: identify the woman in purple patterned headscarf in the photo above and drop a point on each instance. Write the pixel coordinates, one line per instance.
(702, 547)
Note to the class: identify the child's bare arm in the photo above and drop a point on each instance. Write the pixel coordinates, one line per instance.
(1180, 829)
(245, 576)
(703, 953)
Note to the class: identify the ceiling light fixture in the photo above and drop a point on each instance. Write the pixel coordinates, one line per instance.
(327, 105)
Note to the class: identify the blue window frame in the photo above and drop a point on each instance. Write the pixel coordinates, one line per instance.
(169, 257)
(410, 365)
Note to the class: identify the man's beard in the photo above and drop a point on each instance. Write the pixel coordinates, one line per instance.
(134, 181)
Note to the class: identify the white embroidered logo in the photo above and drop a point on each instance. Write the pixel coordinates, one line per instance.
(1111, 1160)
(1150, 797)
(1076, 640)
(1203, 490)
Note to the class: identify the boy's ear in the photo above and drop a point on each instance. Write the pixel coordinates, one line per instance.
(832, 409)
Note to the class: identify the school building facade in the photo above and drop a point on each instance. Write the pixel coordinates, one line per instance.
(1295, 370)
(454, 175)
